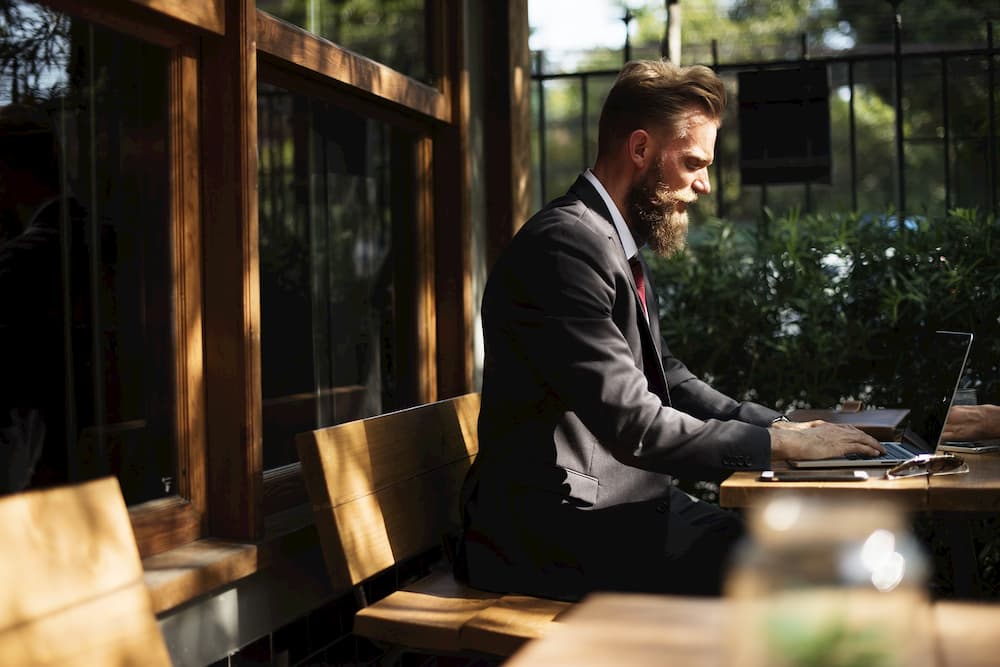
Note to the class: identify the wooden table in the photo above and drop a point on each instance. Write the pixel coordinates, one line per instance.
(950, 497)
(614, 629)
(978, 490)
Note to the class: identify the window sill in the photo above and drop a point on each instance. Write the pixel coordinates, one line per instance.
(203, 566)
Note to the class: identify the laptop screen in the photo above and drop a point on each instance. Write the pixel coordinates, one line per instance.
(927, 375)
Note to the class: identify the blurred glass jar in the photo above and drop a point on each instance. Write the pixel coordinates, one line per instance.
(823, 584)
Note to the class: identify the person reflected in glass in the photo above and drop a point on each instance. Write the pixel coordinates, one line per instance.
(968, 423)
(39, 230)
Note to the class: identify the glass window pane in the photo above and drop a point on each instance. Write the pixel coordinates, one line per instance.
(391, 32)
(336, 199)
(85, 271)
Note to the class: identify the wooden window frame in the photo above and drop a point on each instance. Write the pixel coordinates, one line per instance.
(284, 487)
(166, 523)
(304, 62)
(316, 56)
(214, 48)
(143, 17)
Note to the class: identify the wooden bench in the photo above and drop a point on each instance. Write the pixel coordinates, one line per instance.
(72, 581)
(385, 490)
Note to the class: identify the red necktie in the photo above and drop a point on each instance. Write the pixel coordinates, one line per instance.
(640, 282)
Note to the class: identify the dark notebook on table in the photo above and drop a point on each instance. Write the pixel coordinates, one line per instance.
(947, 353)
(880, 423)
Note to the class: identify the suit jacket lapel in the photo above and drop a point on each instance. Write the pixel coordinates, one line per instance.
(649, 330)
(589, 196)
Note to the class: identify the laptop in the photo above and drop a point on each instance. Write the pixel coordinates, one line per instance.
(943, 355)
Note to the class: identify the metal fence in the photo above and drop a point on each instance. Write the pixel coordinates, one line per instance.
(935, 149)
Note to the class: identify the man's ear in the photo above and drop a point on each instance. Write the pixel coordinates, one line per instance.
(639, 148)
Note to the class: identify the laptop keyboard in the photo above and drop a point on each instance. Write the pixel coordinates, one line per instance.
(893, 451)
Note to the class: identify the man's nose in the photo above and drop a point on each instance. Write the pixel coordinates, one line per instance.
(701, 184)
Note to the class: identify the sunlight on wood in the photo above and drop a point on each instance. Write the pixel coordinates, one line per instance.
(467, 410)
(366, 479)
(364, 535)
(73, 587)
(302, 48)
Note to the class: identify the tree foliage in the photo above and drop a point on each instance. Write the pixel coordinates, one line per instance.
(945, 102)
(34, 46)
(812, 310)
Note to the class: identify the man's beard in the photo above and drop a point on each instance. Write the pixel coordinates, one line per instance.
(653, 212)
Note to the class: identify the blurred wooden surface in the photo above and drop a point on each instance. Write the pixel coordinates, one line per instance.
(612, 629)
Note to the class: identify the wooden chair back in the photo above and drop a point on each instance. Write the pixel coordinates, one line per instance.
(386, 488)
(72, 581)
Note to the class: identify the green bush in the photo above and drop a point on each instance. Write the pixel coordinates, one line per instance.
(809, 310)
(806, 311)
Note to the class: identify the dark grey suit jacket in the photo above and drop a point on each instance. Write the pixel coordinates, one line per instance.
(585, 418)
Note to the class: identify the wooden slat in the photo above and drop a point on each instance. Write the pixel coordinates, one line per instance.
(117, 628)
(519, 70)
(164, 523)
(206, 14)
(303, 49)
(130, 18)
(181, 574)
(386, 488)
(425, 303)
(428, 615)
(352, 460)
(207, 565)
(506, 133)
(72, 581)
(509, 623)
(187, 241)
(452, 213)
(232, 276)
(284, 488)
(399, 522)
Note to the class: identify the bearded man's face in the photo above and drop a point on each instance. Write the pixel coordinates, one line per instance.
(657, 213)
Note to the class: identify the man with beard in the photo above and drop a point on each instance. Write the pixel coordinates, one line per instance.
(586, 415)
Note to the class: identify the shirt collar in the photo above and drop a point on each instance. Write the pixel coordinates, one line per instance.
(624, 233)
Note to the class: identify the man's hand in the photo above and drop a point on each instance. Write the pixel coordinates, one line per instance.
(820, 440)
(972, 422)
(798, 426)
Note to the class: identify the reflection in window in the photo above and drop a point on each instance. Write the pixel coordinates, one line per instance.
(85, 310)
(392, 32)
(335, 189)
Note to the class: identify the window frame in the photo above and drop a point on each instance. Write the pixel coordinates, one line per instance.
(165, 523)
(284, 487)
(303, 62)
(214, 49)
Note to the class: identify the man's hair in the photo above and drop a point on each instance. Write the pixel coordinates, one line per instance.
(651, 94)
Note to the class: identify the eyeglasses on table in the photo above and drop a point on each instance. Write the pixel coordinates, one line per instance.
(928, 464)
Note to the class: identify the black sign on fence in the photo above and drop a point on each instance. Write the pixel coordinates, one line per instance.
(785, 125)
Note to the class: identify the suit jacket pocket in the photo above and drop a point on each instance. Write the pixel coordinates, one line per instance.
(583, 489)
